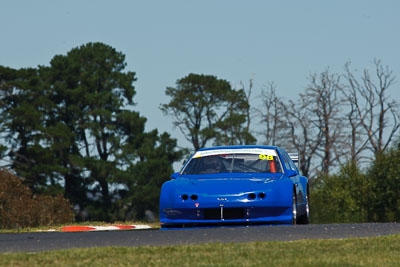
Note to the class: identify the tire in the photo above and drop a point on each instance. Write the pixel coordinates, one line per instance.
(294, 209)
(305, 218)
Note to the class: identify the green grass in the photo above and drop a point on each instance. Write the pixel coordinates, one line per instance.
(380, 251)
(59, 227)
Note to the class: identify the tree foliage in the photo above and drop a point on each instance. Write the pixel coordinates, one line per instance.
(72, 129)
(356, 196)
(207, 109)
(339, 124)
(385, 176)
(342, 197)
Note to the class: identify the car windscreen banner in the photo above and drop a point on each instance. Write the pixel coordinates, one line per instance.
(259, 151)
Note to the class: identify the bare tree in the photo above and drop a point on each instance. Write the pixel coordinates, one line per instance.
(378, 115)
(248, 138)
(290, 124)
(304, 136)
(271, 114)
(356, 142)
(325, 111)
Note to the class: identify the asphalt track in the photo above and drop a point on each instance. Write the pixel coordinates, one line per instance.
(43, 241)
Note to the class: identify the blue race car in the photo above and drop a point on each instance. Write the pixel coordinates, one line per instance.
(236, 185)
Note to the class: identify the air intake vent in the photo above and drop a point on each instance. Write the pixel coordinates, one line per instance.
(224, 213)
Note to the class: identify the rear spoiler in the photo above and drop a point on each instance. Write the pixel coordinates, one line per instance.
(295, 158)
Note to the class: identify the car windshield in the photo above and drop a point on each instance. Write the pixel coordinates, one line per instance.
(234, 162)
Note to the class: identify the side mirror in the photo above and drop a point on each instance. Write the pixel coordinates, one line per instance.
(175, 175)
(291, 173)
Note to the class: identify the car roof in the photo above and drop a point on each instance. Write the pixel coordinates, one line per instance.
(238, 147)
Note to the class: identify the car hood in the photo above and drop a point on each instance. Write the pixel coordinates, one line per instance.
(224, 185)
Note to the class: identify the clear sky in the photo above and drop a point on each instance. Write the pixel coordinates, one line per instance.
(279, 41)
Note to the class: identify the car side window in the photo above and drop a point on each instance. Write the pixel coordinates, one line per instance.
(285, 161)
(292, 165)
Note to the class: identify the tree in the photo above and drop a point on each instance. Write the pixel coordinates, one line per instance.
(271, 114)
(22, 120)
(248, 138)
(152, 169)
(206, 108)
(342, 197)
(325, 109)
(235, 129)
(378, 115)
(291, 124)
(385, 176)
(91, 92)
(310, 125)
(357, 143)
(76, 116)
(6, 75)
(304, 136)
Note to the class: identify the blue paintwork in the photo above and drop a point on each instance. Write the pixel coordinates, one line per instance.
(231, 190)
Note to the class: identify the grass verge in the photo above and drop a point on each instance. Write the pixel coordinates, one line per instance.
(379, 251)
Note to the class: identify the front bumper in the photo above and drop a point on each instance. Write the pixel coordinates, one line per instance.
(220, 214)
(211, 203)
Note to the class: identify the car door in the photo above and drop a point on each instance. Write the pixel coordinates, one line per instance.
(300, 191)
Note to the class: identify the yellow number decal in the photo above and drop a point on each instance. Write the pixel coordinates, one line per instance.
(270, 157)
(262, 156)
